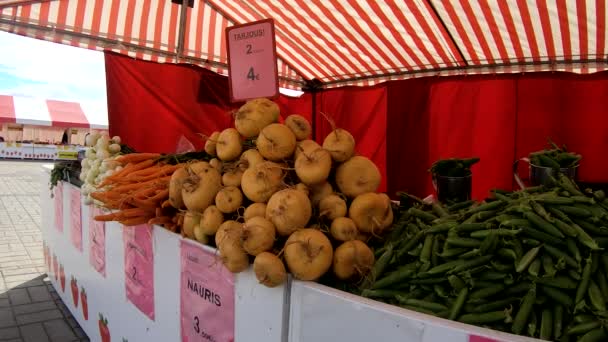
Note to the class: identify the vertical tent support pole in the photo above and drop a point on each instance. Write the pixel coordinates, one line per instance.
(313, 86)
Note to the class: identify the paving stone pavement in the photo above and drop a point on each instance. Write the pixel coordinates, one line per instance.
(30, 309)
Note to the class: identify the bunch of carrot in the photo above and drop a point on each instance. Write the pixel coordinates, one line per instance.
(139, 192)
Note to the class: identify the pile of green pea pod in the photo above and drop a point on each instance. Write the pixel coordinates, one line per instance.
(531, 262)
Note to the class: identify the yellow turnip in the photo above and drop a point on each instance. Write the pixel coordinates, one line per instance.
(370, 212)
(191, 220)
(340, 143)
(305, 146)
(288, 210)
(229, 232)
(352, 259)
(332, 207)
(343, 229)
(255, 210)
(254, 115)
(313, 167)
(229, 199)
(269, 269)
(232, 177)
(258, 235)
(276, 142)
(263, 180)
(199, 188)
(357, 175)
(229, 145)
(250, 159)
(175, 187)
(319, 192)
(211, 143)
(234, 257)
(308, 254)
(299, 126)
(211, 220)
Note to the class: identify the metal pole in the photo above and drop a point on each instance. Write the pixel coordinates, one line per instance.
(182, 29)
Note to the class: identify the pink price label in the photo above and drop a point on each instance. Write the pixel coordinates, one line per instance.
(75, 219)
(58, 197)
(252, 60)
(475, 338)
(97, 241)
(207, 296)
(139, 267)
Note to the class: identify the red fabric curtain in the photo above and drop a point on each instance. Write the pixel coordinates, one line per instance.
(362, 112)
(497, 118)
(151, 105)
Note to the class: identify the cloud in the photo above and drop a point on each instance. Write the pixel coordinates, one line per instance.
(44, 69)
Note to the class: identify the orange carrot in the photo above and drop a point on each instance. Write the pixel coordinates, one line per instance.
(160, 220)
(134, 221)
(161, 195)
(144, 204)
(166, 204)
(129, 187)
(136, 157)
(107, 217)
(134, 212)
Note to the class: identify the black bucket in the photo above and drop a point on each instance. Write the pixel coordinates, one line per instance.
(453, 189)
(540, 175)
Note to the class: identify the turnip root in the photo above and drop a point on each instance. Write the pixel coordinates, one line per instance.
(332, 207)
(229, 145)
(175, 187)
(211, 143)
(352, 259)
(269, 269)
(302, 187)
(234, 257)
(308, 254)
(191, 220)
(340, 143)
(370, 211)
(276, 142)
(211, 220)
(305, 146)
(319, 192)
(357, 175)
(232, 177)
(258, 235)
(313, 167)
(254, 115)
(299, 126)
(229, 233)
(263, 180)
(343, 229)
(250, 158)
(199, 189)
(229, 199)
(289, 210)
(200, 236)
(255, 210)
(216, 164)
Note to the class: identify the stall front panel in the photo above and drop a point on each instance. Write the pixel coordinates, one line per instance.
(126, 284)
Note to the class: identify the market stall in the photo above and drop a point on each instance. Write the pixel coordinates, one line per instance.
(400, 127)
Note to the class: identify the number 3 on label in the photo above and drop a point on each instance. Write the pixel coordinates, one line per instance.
(196, 327)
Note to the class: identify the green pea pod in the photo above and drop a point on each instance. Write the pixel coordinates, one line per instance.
(463, 242)
(439, 210)
(582, 318)
(442, 227)
(452, 252)
(564, 227)
(457, 306)
(559, 281)
(524, 312)
(421, 303)
(544, 225)
(486, 317)
(574, 250)
(557, 295)
(487, 291)
(532, 324)
(574, 211)
(521, 287)
(382, 293)
(410, 244)
(595, 335)
(435, 251)
(497, 305)
(583, 328)
(527, 259)
(469, 227)
(595, 297)
(548, 266)
(567, 184)
(470, 254)
(556, 253)
(393, 278)
(445, 267)
(382, 262)
(427, 249)
(546, 324)
(486, 207)
(457, 283)
(602, 282)
(421, 214)
(542, 236)
(584, 283)
(585, 238)
(574, 275)
(558, 316)
(469, 264)
(534, 268)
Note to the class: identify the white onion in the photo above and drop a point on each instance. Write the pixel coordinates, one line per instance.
(114, 148)
(88, 200)
(88, 153)
(91, 177)
(83, 176)
(102, 154)
(84, 163)
(116, 139)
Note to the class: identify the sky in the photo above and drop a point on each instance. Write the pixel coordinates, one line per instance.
(36, 68)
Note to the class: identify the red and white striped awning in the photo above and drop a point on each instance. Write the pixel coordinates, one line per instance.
(40, 112)
(337, 42)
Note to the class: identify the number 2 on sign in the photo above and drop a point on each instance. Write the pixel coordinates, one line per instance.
(134, 274)
(252, 75)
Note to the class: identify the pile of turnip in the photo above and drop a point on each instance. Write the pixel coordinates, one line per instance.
(274, 197)
(99, 161)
